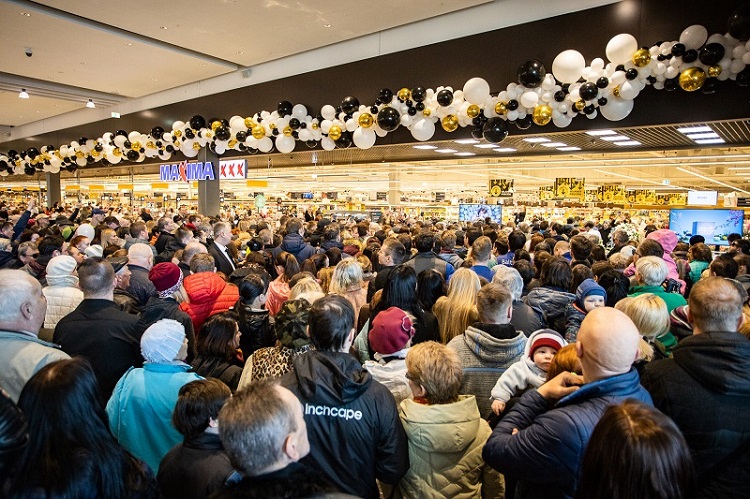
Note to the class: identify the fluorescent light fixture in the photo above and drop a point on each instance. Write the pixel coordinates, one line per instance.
(627, 143)
(627, 176)
(486, 146)
(466, 141)
(685, 170)
(599, 133)
(569, 148)
(23, 94)
(90, 104)
(710, 141)
(695, 129)
(445, 151)
(536, 140)
(702, 135)
(615, 138)
(465, 154)
(554, 144)
(425, 147)
(504, 149)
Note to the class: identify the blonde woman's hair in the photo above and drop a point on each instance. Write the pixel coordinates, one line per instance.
(458, 310)
(437, 369)
(324, 276)
(347, 276)
(305, 285)
(650, 315)
(106, 238)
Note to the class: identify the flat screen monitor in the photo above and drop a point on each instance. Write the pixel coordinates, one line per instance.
(705, 198)
(714, 225)
(472, 212)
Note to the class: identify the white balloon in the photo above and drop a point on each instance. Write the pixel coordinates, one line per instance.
(628, 91)
(406, 120)
(265, 144)
(476, 90)
(621, 48)
(53, 169)
(423, 129)
(81, 161)
(134, 136)
(694, 36)
(738, 51)
(660, 68)
(364, 138)
(237, 122)
(716, 38)
(284, 144)
(325, 125)
(305, 135)
(562, 121)
(351, 125)
(379, 131)
(671, 72)
(178, 125)
(120, 140)
(299, 111)
(597, 64)
(568, 66)
(512, 115)
(328, 144)
(592, 115)
(547, 84)
(328, 112)
(529, 99)
(737, 66)
(616, 108)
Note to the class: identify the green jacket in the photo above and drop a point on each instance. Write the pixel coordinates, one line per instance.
(673, 300)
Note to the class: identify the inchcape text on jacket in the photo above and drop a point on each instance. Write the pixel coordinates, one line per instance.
(335, 412)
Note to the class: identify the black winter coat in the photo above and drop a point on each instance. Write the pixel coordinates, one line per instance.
(221, 369)
(194, 469)
(296, 481)
(705, 389)
(256, 328)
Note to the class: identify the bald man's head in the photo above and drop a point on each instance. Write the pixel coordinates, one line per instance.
(607, 344)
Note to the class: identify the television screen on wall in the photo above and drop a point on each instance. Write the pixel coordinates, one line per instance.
(472, 212)
(714, 225)
(705, 198)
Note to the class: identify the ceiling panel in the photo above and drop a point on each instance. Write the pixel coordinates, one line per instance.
(15, 111)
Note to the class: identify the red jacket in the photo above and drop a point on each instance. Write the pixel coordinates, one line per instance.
(209, 294)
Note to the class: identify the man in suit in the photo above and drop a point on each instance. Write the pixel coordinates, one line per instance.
(219, 250)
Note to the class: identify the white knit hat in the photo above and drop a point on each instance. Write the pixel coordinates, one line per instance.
(162, 341)
(61, 266)
(86, 230)
(94, 250)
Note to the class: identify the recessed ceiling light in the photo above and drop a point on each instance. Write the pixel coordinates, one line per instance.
(445, 151)
(554, 144)
(504, 149)
(598, 133)
(705, 135)
(466, 141)
(536, 140)
(485, 146)
(569, 148)
(628, 143)
(710, 141)
(327, 25)
(163, 27)
(129, 44)
(695, 129)
(25, 14)
(23, 94)
(90, 104)
(426, 146)
(465, 154)
(615, 138)
(240, 52)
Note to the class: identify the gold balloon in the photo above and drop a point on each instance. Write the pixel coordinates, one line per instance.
(232, 143)
(258, 132)
(136, 146)
(150, 144)
(365, 120)
(249, 122)
(177, 133)
(404, 94)
(616, 91)
(208, 134)
(272, 126)
(95, 153)
(501, 108)
(714, 71)
(116, 152)
(449, 123)
(692, 79)
(472, 111)
(427, 111)
(542, 114)
(216, 124)
(57, 153)
(177, 143)
(641, 58)
(79, 154)
(196, 146)
(314, 126)
(334, 133)
(580, 104)
(287, 131)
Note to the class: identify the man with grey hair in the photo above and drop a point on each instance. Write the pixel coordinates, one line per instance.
(650, 272)
(524, 318)
(140, 261)
(22, 310)
(705, 388)
(620, 239)
(192, 249)
(264, 433)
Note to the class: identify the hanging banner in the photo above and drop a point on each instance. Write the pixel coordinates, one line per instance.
(232, 169)
(642, 196)
(570, 188)
(257, 183)
(591, 195)
(501, 188)
(547, 193)
(672, 199)
(611, 193)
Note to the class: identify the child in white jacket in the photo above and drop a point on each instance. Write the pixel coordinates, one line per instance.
(530, 371)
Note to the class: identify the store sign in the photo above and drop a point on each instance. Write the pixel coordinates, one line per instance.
(501, 188)
(611, 193)
(185, 172)
(568, 187)
(642, 196)
(232, 169)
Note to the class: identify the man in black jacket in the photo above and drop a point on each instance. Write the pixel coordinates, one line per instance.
(97, 329)
(140, 262)
(352, 422)
(705, 389)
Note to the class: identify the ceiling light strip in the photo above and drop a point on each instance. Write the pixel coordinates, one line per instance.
(718, 182)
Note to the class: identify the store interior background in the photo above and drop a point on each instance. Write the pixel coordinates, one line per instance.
(226, 58)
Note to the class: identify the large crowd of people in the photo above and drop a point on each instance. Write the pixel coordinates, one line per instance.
(176, 355)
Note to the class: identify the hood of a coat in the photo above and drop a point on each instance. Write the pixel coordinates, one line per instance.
(441, 427)
(204, 287)
(293, 243)
(330, 378)
(720, 361)
(494, 350)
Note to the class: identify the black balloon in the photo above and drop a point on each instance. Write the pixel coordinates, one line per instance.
(710, 86)
(389, 119)
(589, 109)
(3, 164)
(71, 168)
(344, 141)
(294, 123)
(241, 136)
(127, 144)
(743, 77)
(132, 155)
(418, 94)
(631, 74)
(98, 148)
(559, 96)
(385, 95)
(445, 97)
(157, 132)
(524, 123)
(588, 91)
(350, 105)
(495, 130)
(602, 101)
(311, 144)
(29, 170)
(531, 73)
(197, 122)
(711, 54)
(602, 82)
(222, 133)
(512, 105)
(90, 159)
(670, 84)
(252, 150)
(284, 107)
(678, 50)
(411, 111)
(189, 133)
(373, 109)
(419, 106)
(169, 148)
(82, 140)
(477, 133)
(32, 152)
(121, 132)
(739, 22)
(690, 55)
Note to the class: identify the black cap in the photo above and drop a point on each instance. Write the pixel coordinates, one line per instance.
(118, 262)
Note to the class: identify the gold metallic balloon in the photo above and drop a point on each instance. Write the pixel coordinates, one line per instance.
(136, 146)
(232, 143)
(501, 108)
(641, 58)
(427, 111)
(258, 132)
(95, 153)
(249, 122)
(80, 154)
(272, 126)
(116, 152)
(177, 133)
(714, 71)
(150, 145)
(208, 134)
(404, 94)
(580, 104)
(57, 153)
(473, 111)
(365, 120)
(692, 79)
(542, 114)
(314, 126)
(216, 124)
(449, 123)
(287, 131)
(334, 133)
(616, 91)
(177, 143)
(196, 146)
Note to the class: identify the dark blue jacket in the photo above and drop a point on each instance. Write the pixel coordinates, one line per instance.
(296, 245)
(545, 455)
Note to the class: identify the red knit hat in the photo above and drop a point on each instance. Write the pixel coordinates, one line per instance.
(391, 331)
(167, 278)
(546, 338)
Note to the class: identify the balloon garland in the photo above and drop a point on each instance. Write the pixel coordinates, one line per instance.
(696, 61)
